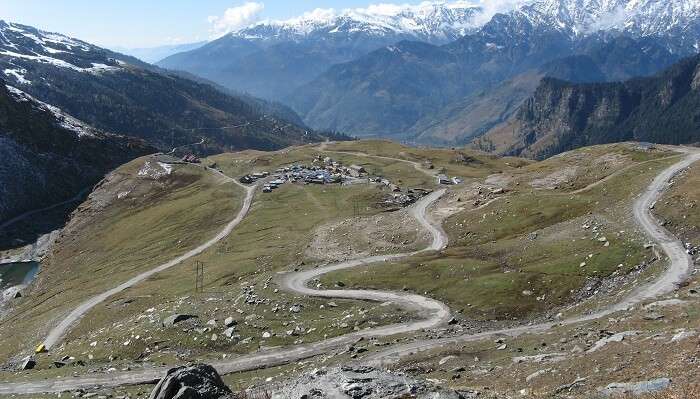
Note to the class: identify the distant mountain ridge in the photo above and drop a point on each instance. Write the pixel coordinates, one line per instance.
(600, 58)
(388, 91)
(561, 116)
(271, 59)
(122, 94)
(428, 21)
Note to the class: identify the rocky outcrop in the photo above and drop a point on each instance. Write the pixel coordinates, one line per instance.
(561, 116)
(199, 381)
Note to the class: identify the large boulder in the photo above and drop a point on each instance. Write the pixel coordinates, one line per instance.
(177, 318)
(199, 381)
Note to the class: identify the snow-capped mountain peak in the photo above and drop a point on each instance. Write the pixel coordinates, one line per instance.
(432, 21)
(23, 46)
(637, 17)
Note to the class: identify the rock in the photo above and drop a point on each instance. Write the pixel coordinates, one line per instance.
(536, 374)
(545, 357)
(27, 363)
(199, 381)
(681, 335)
(229, 332)
(230, 322)
(266, 335)
(446, 359)
(636, 388)
(619, 337)
(452, 321)
(295, 308)
(653, 316)
(177, 318)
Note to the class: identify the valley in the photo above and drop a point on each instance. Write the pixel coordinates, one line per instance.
(441, 199)
(239, 264)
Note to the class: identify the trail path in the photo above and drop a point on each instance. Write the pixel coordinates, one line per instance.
(25, 215)
(58, 332)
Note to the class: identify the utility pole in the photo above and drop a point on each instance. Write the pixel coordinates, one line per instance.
(356, 208)
(199, 276)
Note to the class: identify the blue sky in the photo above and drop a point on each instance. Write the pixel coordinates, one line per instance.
(147, 23)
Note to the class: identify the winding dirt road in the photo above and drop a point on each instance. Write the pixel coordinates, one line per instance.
(58, 332)
(679, 268)
(434, 312)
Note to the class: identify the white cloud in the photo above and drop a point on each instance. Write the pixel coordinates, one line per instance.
(319, 14)
(492, 7)
(235, 18)
(613, 18)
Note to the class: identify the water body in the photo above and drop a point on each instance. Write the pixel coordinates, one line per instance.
(12, 274)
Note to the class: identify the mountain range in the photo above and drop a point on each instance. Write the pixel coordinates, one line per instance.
(122, 94)
(270, 59)
(443, 72)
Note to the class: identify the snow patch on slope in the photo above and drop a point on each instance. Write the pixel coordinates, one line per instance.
(81, 129)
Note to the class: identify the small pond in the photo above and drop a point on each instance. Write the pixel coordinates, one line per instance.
(12, 274)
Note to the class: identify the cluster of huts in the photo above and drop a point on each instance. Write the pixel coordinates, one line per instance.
(321, 171)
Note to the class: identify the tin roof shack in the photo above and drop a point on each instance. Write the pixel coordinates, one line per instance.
(443, 179)
(356, 170)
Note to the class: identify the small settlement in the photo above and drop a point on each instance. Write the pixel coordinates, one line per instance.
(325, 170)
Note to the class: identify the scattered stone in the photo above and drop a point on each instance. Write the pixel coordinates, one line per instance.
(446, 359)
(542, 358)
(230, 322)
(361, 382)
(229, 332)
(619, 337)
(296, 308)
(636, 388)
(653, 316)
(536, 374)
(569, 387)
(681, 335)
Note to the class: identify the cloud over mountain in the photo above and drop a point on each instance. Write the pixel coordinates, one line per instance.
(235, 18)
